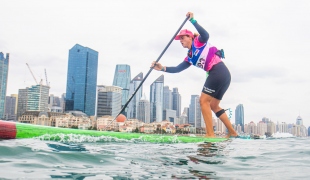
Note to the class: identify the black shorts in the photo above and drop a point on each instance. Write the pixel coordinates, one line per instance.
(218, 81)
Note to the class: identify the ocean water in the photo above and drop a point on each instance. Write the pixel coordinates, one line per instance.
(283, 158)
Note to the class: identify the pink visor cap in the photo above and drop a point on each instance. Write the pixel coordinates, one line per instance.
(184, 32)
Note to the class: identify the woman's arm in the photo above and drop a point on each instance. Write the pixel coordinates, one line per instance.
(204, 35)
(182, 66)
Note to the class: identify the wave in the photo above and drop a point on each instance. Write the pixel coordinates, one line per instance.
(282, 135)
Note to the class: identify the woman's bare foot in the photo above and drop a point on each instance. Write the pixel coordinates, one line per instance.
(209, 136)
(231, 135)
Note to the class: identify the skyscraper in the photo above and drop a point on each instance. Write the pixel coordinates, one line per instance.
(10, 108)
(156, 99)
(176, 101)
(133, 104)
(299, 121)
(34, 98)
(82, 80)
(122, 77)
(144, 110)
(170, 115)
(109, 100)
(167, 102)
(239, 116)
(186, 114)
(4, 69)
(194, 111)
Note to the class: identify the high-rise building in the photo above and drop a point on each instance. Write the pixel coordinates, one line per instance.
(283, 127)
(156, 99)
(122, 77)
(309, 131)
(10, 108)
(82, 80)
(167, 104)
(239, 116)
(170, 115)
(55, 104)
(133, 104)
(184, 116)
(109, 101)
(265, 120)
(271, 127)
(195, 116)
(176, 101)
(186, 112)
(261, 128)
(144, 110)
(299, 121)
(34, 98)
(4, 69)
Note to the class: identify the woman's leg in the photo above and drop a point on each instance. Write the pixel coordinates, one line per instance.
(214, 104)
(205, 101)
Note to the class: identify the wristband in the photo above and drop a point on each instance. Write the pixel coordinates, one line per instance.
(192, 20)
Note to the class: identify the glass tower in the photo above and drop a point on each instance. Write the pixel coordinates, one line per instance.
(167, 104)
(4, 69)
(176, 101)
(34, 98)
(156, 99)
(133, 104)
(239, 116)
(122, 77)
(82, 80)
(194, 112)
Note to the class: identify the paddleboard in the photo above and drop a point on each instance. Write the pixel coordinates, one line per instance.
(15, 130)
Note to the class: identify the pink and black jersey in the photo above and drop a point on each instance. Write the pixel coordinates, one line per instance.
(202, 55)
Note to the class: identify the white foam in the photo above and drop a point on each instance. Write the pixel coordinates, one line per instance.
(282, 135)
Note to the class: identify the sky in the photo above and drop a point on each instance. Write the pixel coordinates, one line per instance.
(266, 46)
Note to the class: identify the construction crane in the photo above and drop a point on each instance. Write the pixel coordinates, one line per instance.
(47, 83)
(32, 73)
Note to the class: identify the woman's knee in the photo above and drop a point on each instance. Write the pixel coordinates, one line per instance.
(205, 99)
(215, 106)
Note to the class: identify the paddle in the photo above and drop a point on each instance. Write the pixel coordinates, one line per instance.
(162, 53)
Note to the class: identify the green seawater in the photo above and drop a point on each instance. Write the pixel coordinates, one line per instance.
(285, 158)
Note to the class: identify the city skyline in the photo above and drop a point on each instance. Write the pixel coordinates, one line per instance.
(257, 50)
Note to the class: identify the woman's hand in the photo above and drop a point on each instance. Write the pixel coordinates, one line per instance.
(190, 15)
(157, 66)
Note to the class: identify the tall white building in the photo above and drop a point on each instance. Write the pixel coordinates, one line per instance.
(144, 110)
(283, 128)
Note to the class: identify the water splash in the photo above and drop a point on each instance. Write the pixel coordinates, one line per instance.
(282, 135)
(77, 138)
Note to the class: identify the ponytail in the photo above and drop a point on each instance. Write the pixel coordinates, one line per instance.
(196, 35)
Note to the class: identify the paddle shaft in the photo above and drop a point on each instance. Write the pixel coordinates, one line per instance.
(148, 73)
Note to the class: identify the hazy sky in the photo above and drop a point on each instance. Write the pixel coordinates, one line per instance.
(266, 45)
